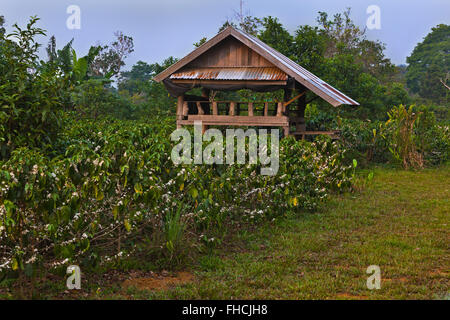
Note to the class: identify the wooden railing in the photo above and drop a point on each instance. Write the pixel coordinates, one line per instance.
(254, 113)
(233, 108)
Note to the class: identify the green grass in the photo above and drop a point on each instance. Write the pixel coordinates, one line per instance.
(400, 222)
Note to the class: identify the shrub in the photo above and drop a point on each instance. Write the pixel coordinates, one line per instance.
(30, 98)
(115, 186)
(401, 139)
(364, 140)
(432, 138)
(93, 99)
(415, 128)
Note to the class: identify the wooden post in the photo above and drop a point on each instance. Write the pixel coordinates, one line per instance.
(214, 108)
(200, 109)
(280, 109)
(205, 94)
(232, 108)
(180, 104)
(185, 109)
(301, 106)
(287, 94)
(287, 97)
(286, 131)
(250, 109)
(266, 109)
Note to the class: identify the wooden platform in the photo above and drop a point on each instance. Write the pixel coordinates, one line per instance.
(219, 120)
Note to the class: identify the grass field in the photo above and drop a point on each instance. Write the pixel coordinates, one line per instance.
(400, 222)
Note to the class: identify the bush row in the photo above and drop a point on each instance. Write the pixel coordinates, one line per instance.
(112, 185)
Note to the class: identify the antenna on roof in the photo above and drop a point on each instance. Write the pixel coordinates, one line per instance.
(241, 15)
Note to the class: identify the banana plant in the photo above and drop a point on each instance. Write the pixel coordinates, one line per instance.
(80, 67)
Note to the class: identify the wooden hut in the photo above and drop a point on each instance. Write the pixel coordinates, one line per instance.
(235, 60)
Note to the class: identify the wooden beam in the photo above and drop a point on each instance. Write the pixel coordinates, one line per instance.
(293, 99)
(297, 119)
(312, 133)
(266, 109)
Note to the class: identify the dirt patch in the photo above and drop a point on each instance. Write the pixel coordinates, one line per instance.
(349, 296)
(402, 280)
(438, 273)
(160, 282)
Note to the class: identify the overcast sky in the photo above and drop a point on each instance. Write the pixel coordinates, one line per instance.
(170, 27)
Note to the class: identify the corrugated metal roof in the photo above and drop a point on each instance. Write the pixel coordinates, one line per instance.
(301, 72)
(238, 73)
(286, 65)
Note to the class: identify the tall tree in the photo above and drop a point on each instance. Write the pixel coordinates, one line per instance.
(140, 71)
(139, 78)
(30, 101)
(112, 57)
(338, 51)
(276, 36)
(2, 22)
(341, 32)
(308, 48)
(65, 60)
(429, 62)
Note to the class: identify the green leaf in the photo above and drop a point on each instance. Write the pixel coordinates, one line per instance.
(15, 264)
(127, 225)
(99, 196)
(115, 212)
(193, 192)
(138, 188)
